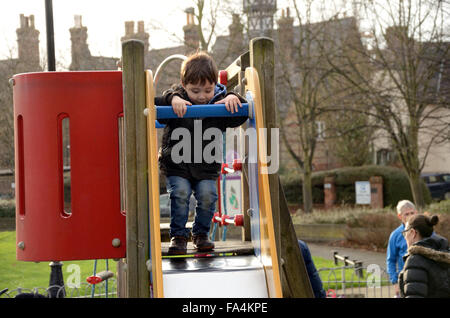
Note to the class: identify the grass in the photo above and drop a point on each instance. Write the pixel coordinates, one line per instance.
(28, 275)
(332, 276)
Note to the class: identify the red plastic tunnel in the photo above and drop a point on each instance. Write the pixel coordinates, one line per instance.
(92, 103)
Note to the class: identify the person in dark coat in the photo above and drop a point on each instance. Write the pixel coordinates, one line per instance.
(187, 159)
(426, 273)
(314, 278)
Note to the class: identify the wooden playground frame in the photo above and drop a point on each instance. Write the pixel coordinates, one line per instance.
(142, 195)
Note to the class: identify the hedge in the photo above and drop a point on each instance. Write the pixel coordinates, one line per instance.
(7, 208)
(395, 185)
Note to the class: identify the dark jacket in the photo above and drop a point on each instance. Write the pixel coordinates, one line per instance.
(427, 269)
(314, 278)
(192, 170)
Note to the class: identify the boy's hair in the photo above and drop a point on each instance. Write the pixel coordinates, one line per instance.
(199, 68)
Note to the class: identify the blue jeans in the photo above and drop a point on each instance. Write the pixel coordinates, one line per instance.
(180, 190)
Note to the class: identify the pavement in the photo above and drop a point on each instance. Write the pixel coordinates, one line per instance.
(367, 257)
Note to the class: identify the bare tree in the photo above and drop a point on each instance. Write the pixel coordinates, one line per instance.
(7, 70)
(403, 95)
(309, 88)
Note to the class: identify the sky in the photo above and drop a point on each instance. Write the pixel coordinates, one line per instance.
(104, 20)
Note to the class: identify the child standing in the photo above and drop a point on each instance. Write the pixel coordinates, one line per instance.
(198, 86)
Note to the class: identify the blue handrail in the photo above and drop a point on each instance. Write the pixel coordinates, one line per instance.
(202, 111)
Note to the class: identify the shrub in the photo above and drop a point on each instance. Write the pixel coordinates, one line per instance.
(395, 185)
(442, 207)
(7, 208)
(292, 186)
(338, 215)
(443, 227)
(372, 229)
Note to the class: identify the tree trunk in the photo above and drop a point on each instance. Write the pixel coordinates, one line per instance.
(416, 190)
(307, 191)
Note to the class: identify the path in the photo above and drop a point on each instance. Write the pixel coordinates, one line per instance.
(367, 257)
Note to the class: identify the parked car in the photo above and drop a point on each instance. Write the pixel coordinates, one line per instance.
(438, 184)
(164, 205)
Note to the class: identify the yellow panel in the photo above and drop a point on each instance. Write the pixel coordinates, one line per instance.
(153, 189)
(268, 244)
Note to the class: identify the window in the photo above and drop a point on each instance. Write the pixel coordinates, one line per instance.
(320, 129)
(385, 157)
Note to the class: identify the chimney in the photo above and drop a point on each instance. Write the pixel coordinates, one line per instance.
(236, 29)
(141, 27)
(191, 36)
(142, 35)
(80, 48)
(139, 35)
(78, 23)
(396, 37)
(129, 28)
(28, 43)
(286, 33)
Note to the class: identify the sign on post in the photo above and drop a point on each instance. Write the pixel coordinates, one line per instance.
(233, 194)
(362, 189)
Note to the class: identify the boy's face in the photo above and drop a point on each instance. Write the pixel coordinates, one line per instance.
(200, 93)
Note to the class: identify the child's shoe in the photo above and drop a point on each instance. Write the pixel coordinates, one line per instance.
(202, 243)
(178, 245)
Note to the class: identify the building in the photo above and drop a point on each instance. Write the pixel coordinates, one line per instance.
(427, 85)
(82, 59)
(226, 48)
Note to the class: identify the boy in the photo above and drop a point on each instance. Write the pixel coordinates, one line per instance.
(198, 177)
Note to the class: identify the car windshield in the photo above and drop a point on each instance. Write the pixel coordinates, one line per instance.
(435, 179)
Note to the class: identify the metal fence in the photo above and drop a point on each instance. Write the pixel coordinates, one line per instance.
(356, 282)
(338, 282)
(105, 289)
(352, 280)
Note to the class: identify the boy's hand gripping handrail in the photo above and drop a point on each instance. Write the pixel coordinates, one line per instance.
(201, 111)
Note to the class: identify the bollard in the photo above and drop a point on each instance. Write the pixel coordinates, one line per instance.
(56, 285)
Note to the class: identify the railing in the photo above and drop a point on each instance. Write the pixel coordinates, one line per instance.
(357, 265)
(83, 290)
(353, 280)
(338, 282)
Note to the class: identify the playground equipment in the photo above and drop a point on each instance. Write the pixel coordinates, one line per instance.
(113, 151)
(92, 102)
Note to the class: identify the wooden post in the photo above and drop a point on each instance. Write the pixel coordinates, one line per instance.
(137, 220)
(262, 58)
(246, 230)
(329, 191)
(294, 277)
(376, 192)
(296, 282)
